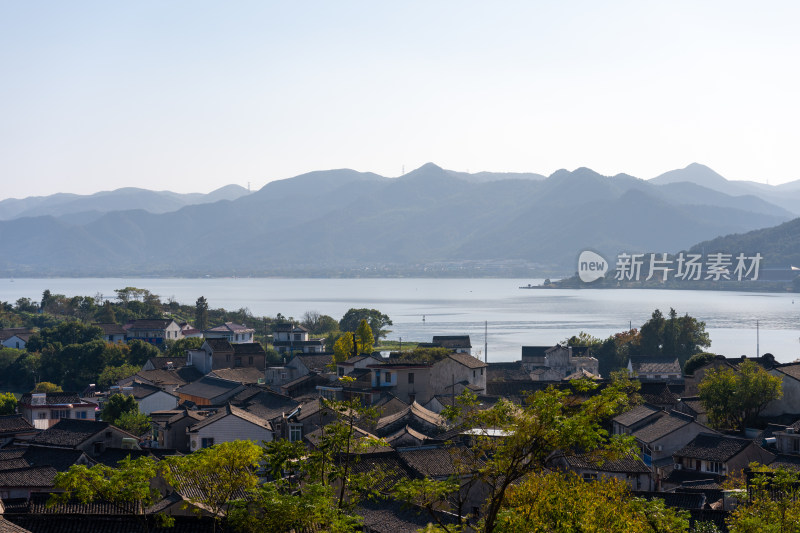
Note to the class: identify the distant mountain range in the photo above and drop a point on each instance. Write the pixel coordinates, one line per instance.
(343, 221)
(84, 208)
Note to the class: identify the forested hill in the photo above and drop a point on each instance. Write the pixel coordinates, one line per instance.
(779, 245)
(342, 221)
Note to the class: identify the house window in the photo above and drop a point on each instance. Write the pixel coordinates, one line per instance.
(473, 374)
(80, 414)
(341, 371)
(207, 442)
(59, 413)
(295, 432)
(250, 360)
(283, 375)
(238, 361)
(410, 378)
(796, 445)
(108, 434)
(713, 466)
(228, 358)
(387, 377)
(481, 371)
(42, 415)
(297, 336)
(589, 477)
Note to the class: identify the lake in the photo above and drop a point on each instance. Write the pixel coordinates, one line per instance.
(421, 308)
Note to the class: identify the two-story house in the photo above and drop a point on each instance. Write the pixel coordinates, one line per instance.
(290, 338)
(219, 353)
(45, 409)
(153, 330)
(233, 333)
(113, 333)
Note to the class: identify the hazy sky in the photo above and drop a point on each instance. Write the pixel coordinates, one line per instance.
(192, 95)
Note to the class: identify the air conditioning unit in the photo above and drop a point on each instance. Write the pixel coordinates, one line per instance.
(658, 448)
(678, 466)
(790, 431)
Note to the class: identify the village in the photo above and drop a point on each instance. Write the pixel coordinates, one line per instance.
(226, 389)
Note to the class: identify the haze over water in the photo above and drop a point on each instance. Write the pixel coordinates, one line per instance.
(515, 317)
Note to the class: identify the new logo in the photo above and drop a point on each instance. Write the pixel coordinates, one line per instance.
(591, 266)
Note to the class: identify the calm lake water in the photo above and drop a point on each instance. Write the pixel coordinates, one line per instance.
(515, 317)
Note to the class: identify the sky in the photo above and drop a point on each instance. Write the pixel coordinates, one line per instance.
(190, 96)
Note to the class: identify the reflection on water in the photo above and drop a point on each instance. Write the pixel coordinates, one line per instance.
(460, 306)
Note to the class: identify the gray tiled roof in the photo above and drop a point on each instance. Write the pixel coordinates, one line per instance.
(208, 387)
(32, 476)
(662, 427)
(629, 464)
(440, 461)
(69, 432)
(637, 414)
(644, 364)
(467, 360)
(710, 447)
(12, 424)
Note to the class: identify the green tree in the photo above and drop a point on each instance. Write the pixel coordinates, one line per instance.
(680, 337)
(318, 324)
(551, 423)
(201, 313)
(364, 339)
(343, 348)
(217, 475)
(26, 305)
(46, 386)
(68, 332)
(116, 406)
(112, 374)
(8, 403)
(134, 422)
(697, 361)
(141, 351)
(377, 321)
(734, 398)
(177, 348)
(772, 505)
(128, 486)
(107, 315)
(551, 501)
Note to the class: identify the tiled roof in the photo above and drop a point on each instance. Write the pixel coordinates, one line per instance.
(787, 462)
(12, 464)
(143, 390)
(507, 372)
(681, 500)
(657, 393)
(108, 524)
(387, 464)
(59, 459)
(268, 404)
(37, 504)
(287, 327)
(230, 327)
(219, 345)
(32, 476)
(231, 410)
(440, 461)
(790, 369)
(12, 424)
(244, 375)
(53, 398)
(111, 329)
(11, 527)
(713, 447)
(644, 364)
(405, 432)
(413, 411)
(452, 341)
(389, 405)
(160, 363)
(208, 387)
(149, 323)
(391, 516)
(467, 360)
(318, 363)
(70, 433)
(662, 427)
(637, 414)
(179, 376)
(248, 348)
(628, 464)
(535, 351)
